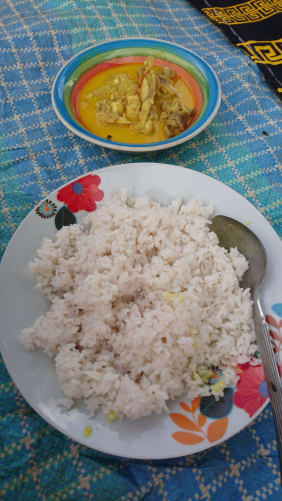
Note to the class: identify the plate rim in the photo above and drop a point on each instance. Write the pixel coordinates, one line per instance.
(7, 363)
(128, 147)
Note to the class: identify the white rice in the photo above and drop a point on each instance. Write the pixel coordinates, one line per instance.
(144, 303)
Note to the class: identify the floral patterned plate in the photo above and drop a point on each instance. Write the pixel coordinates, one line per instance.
(190, 426)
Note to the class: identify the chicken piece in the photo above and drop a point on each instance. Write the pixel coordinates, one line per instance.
(168, 73)
(174, 117)
(133, 106)
(145, 89)
(149, 127)
(149, 87)
(123, 120)
(104, 112)
(166, 87)
(175, 122)
(148, 94)
(131, 88)
(117, 106)
(145, 110)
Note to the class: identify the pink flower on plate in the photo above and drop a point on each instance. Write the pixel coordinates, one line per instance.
(82, 194)
(251, 392)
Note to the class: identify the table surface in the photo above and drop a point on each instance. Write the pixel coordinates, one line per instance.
(241, 147)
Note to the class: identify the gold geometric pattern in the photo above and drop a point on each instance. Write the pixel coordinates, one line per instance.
(246, 12)
(264, 52)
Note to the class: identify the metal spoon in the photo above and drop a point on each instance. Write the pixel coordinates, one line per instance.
(231, 233)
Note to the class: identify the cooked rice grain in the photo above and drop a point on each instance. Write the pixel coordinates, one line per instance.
(144, 303)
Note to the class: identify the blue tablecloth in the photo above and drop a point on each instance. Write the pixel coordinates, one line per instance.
(240, 148)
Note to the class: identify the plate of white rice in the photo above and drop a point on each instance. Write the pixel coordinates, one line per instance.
(123, 323)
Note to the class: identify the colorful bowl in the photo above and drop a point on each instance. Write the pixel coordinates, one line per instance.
(199, 76)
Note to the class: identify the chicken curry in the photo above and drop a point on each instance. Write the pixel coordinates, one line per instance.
(136, 103)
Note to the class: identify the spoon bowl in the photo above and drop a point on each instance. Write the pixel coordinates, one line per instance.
(230, 234)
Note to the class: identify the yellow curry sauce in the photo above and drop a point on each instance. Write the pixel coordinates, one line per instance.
(136, 103)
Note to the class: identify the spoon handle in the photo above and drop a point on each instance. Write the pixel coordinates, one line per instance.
(271, 372)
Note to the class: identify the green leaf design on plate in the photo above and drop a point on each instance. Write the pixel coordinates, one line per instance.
(64, 217)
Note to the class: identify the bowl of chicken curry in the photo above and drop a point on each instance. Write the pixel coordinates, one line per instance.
(136, 95)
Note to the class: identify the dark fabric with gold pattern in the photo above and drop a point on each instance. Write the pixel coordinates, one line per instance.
(254, 26)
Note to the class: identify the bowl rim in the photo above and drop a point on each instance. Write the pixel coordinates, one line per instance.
(144, 148)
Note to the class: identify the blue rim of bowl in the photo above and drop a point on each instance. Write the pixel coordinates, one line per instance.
(64, 74)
